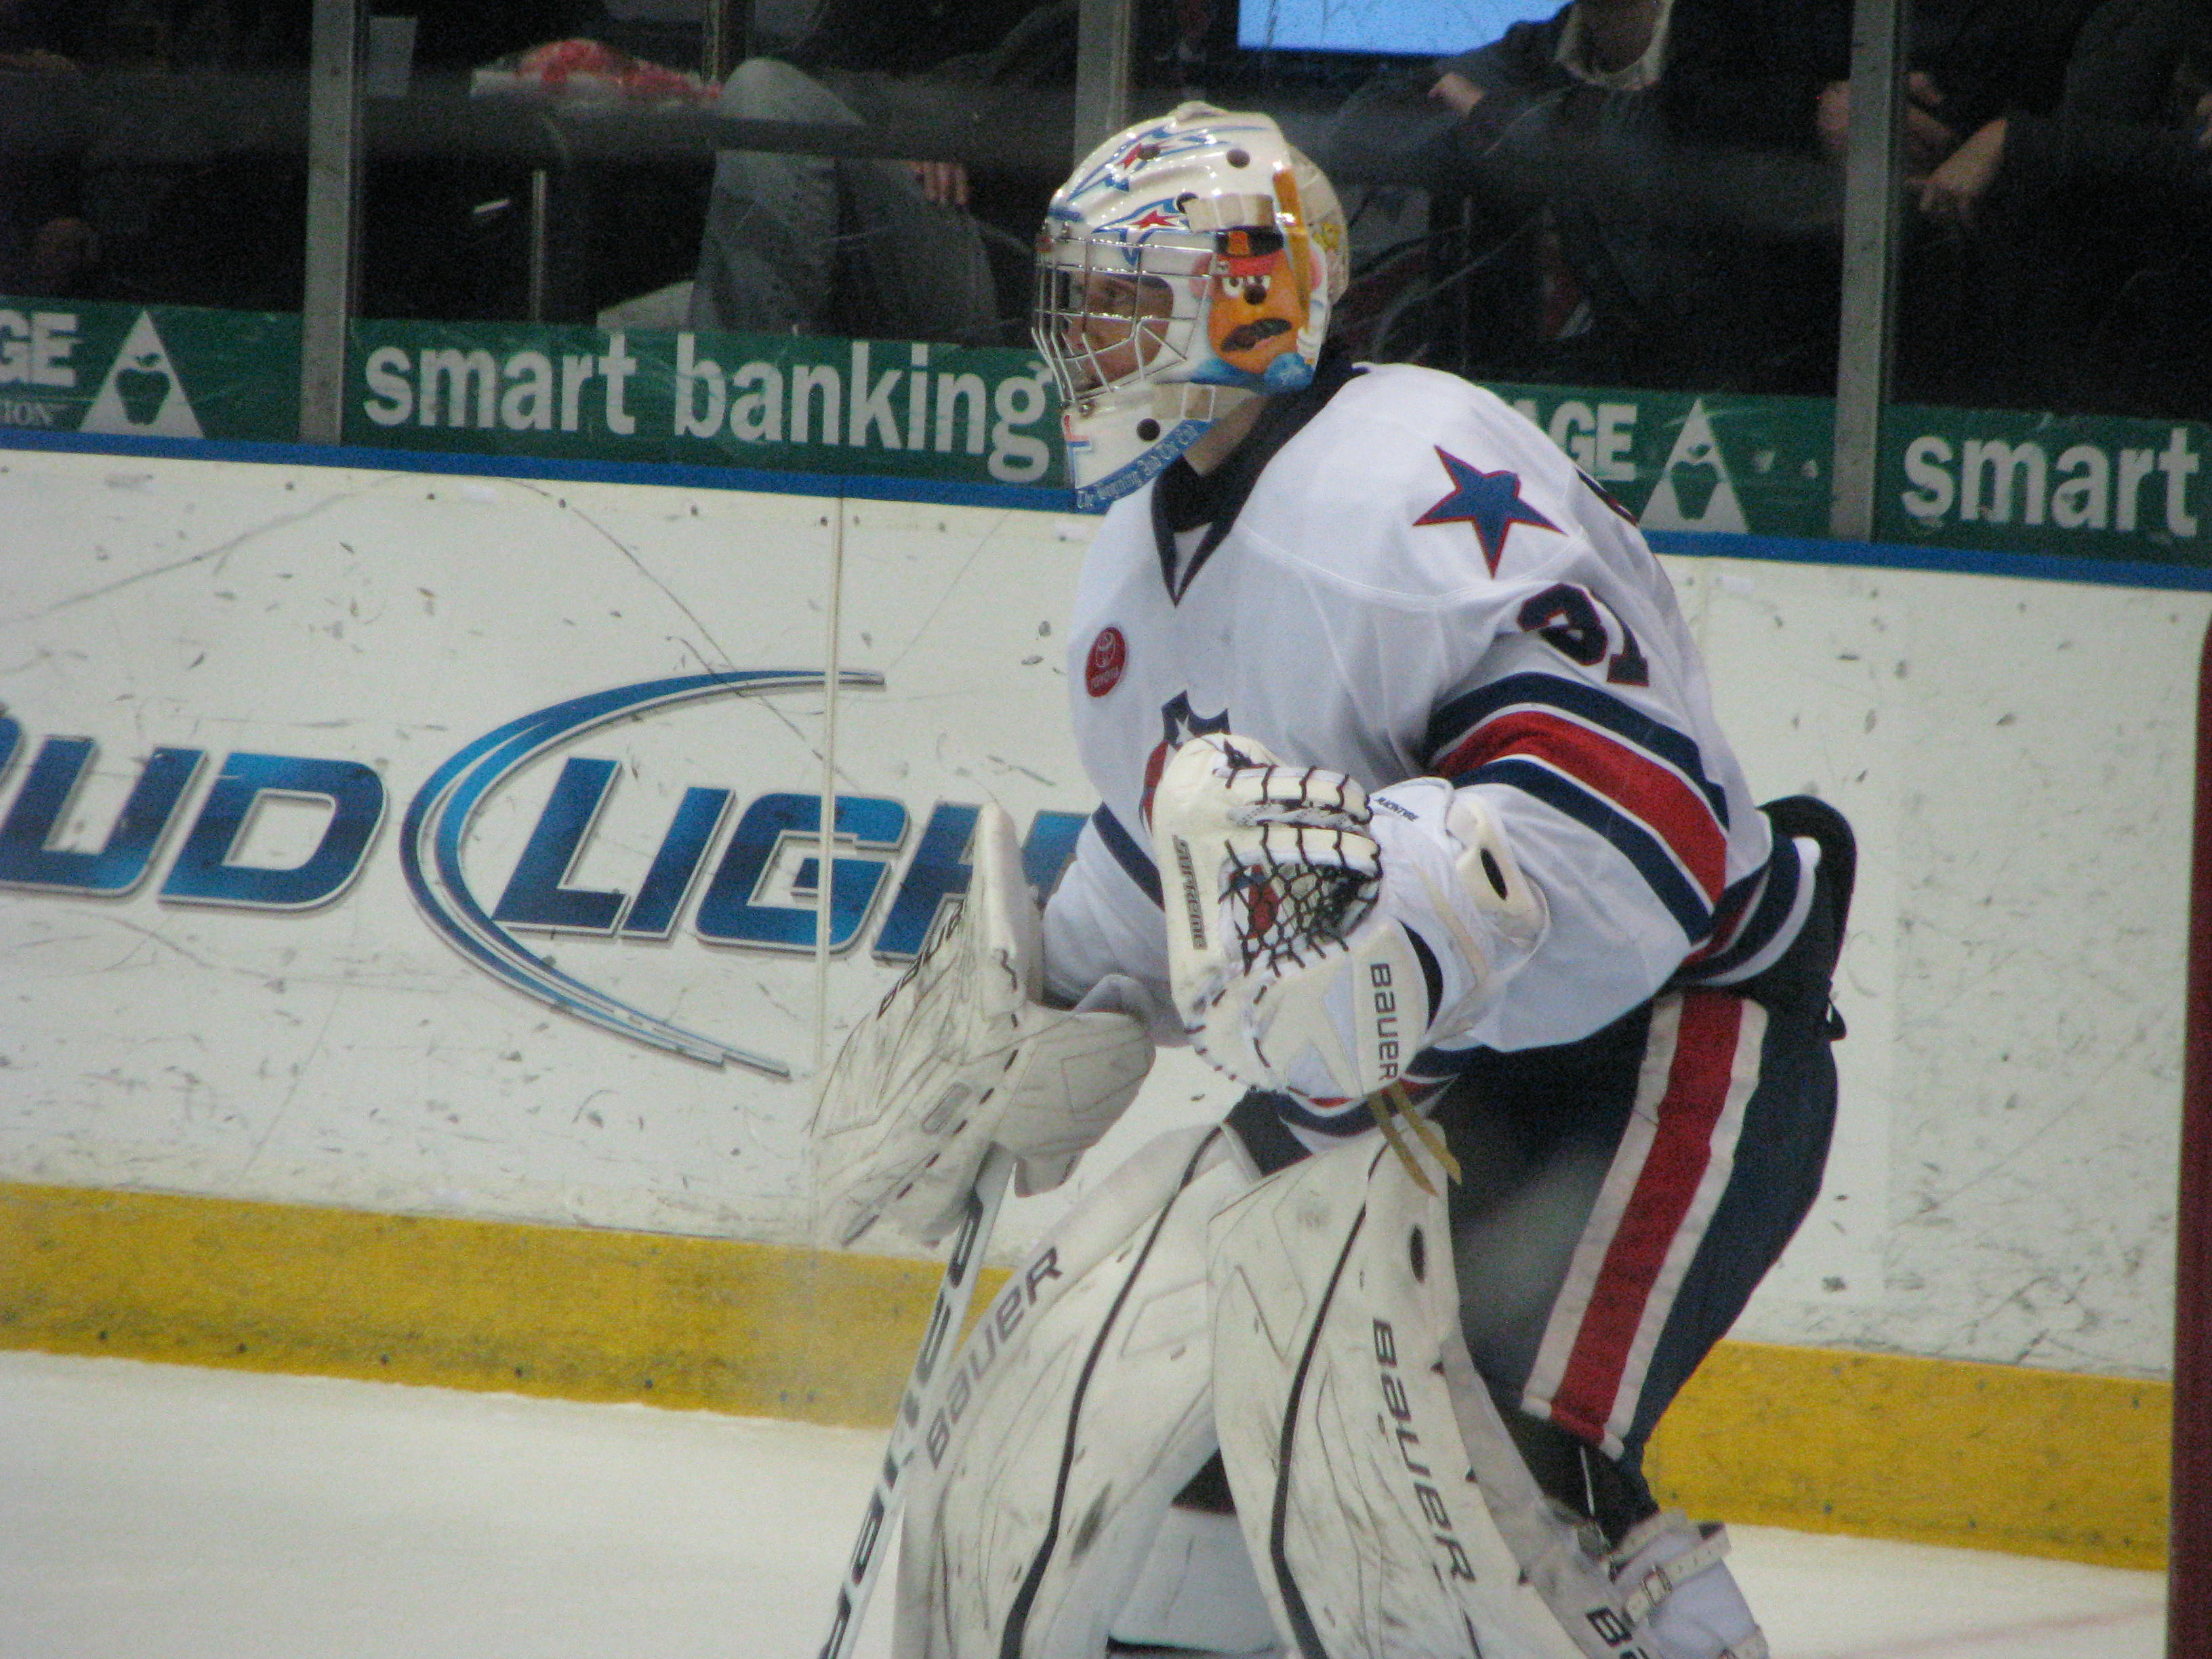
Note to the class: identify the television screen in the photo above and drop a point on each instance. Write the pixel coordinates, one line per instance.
(1414, 29)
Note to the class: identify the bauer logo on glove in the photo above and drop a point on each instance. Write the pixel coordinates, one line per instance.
(1323, 944)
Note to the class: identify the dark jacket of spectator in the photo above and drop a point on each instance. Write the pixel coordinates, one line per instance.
(2119, 120)
(1686, 217)
(904, 39)
(1739, 73)
(2072, 223)
(1748, 74)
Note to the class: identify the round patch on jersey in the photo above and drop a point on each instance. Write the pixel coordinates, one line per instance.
(1110, 655)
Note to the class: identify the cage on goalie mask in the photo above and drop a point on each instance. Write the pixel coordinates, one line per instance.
(1190, 264)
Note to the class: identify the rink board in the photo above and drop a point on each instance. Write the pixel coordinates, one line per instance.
(411, 845)
(2041, 1462)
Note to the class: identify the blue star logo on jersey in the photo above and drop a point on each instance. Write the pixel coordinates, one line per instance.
(1491, 501)
(1179, 723)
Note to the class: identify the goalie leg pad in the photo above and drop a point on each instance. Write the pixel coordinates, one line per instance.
(1383, 1499)
(1196, 1593)
(1079, 1407)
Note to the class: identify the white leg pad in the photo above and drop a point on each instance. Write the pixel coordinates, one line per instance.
(1196, 1591)
(1385, 1507)
(1079, 1405)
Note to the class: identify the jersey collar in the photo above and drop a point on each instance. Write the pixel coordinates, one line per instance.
(1182, 500)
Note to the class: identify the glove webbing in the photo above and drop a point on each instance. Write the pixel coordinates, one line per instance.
(1289, 907)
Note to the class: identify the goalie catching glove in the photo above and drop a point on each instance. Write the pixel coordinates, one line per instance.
(962, 1055)
(1318, 938)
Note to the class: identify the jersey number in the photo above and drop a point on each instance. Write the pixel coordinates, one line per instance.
(1572, 621)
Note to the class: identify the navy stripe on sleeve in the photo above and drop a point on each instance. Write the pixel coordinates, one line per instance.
(1452, 722)
(1638, 845)
(1131, 857)
(1781, 876)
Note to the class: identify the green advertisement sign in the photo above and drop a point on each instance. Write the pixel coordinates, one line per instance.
(1679, 461)
(971, 415)
(1988, 480)
(2012, 482)
(151, 372)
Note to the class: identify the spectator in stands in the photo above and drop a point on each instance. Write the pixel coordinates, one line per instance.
(158, 198)
(828, 245)
(47, 248)
(41, 37)
(2071, 225)
(1661, 171)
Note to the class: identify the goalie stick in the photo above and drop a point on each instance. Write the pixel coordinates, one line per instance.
(925, 1390)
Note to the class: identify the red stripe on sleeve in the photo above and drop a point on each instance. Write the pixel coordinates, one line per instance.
(1626, 776)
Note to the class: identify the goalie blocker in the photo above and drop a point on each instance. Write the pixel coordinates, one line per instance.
(962, 1054)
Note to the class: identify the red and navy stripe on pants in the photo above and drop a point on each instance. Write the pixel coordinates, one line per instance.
(1702, 1064)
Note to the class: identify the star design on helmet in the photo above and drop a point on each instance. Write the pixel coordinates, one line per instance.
(1142, 148)
(1154, 218)
(1491, 501)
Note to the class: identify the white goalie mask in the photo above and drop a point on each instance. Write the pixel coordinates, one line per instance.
(1188, 264)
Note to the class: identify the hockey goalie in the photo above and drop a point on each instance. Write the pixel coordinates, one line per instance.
(1417, 824)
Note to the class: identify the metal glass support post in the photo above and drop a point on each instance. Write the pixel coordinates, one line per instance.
(2189, 1539)
(334, 171)
(1103, 33)
(1869, 273)
(724, 37)
(540, 223)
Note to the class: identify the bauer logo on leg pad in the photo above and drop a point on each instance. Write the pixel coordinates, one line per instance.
(994, 1329)
(1340, 1430)
(1452, 1556)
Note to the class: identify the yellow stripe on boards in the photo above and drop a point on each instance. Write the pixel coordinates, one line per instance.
(1934, 1451)
(1883, 1445)
(579, 1313)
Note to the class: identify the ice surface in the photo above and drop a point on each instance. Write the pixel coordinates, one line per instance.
(163, 1512)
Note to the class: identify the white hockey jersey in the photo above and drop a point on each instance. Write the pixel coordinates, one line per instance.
(1420, 583)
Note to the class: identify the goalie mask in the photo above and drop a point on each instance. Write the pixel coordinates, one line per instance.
(1189, 265)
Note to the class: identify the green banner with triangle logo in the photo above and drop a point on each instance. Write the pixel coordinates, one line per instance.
(2101, 487)
(1681, 461)
(153, 371)
(2104, 487)
(143, 392)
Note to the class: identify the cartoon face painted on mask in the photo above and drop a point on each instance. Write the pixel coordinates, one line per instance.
(1189, 265)
(1260, 298)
